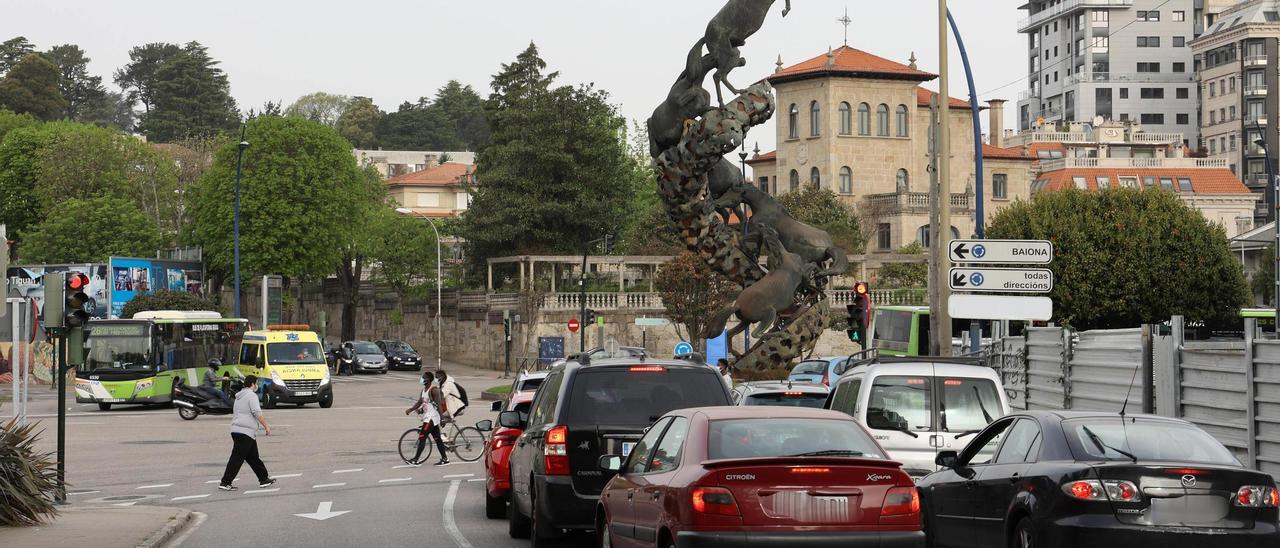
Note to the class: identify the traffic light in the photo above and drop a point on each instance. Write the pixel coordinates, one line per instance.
(55, 288)
(589, 318)
(859, 314)
(76, 298)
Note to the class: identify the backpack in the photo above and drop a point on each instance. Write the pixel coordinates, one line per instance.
(462, 394)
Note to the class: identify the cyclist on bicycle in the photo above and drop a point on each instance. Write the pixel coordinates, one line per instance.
(452, 396)
(431, 406)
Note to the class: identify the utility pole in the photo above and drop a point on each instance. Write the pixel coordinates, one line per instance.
(942, 231)
(236, 231)
(935, 211)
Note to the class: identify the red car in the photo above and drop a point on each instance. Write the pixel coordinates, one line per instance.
(496, 456)
(757, 476)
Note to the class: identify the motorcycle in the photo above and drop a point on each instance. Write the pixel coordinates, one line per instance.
(347, 362)
(193, 401)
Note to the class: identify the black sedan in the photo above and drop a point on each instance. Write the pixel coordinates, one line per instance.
(1046, 478)
(400, 355)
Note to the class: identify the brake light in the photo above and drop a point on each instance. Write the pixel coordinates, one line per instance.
(1112, 490)
(826, 378)
(555, 452)
(901, 501)
(714, 500)
(810, 470)
(952, 382)
(1185, 471)
(647, 369)
(793, 393)
(1257, 496)
(915, 381)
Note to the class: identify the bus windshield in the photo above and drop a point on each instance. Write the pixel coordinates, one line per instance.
(119, 353)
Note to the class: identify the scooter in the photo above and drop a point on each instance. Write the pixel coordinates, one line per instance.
(193, 401)
(347, 363)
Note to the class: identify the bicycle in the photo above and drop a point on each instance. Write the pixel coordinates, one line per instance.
(467, 443)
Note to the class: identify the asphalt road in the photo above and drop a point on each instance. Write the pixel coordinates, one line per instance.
(339, 464)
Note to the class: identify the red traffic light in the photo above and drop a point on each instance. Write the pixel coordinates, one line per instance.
(860, 288)
(77, 281)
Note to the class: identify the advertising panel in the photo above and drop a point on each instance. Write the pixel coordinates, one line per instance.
(130, 277)
(27, 281)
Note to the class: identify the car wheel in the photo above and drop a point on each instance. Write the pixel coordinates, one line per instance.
(517, 523)
(268, 401)
(187, 413)
(1024, 535)
(384, 371)
(539, 534)
(494, 507)
(104, 406)
(327, 401)
(604, 537)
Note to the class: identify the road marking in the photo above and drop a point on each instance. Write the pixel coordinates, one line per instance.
(459, 476)
(157, 486)
(323, 512)
(287, 476)
(188, 497)
(404, 466)
(393, 480)
(348, 471)
(83, 423)
(82, 493)
(477, 479)
(323, 485)
(126, 503)
(272, 490)
(449, 525)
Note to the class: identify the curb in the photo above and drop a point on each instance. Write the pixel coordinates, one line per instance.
(168, 531)
(490, 396)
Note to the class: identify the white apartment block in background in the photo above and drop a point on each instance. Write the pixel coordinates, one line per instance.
(1122, 60)
(393, 163)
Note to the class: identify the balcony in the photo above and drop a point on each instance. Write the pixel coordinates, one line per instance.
(1256, 90)
(1255, 150)
(1255, 120)
(1255, 61)
(1134, 163)
(1155, 138)
(913, 202)
(602, 301)
(1136, 77)
(1027, 94)
(1067, 6)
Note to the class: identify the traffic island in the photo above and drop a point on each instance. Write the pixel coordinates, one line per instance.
(103, 527)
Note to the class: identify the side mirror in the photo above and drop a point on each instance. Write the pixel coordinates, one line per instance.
(511, 419)
(946, 459)
(496, 406)
(484, 425)
(610, 463)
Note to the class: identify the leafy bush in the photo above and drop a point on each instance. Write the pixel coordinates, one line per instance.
(28, 479)
(167, 300)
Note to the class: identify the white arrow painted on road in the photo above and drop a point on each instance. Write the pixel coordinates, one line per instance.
(325, 511)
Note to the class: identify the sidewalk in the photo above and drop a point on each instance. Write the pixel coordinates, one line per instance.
(103, 527)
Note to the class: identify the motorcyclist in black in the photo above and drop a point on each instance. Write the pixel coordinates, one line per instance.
(215, 384)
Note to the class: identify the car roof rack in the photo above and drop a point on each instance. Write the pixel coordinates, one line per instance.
(872, 357)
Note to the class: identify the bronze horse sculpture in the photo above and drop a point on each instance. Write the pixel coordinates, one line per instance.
(814, 245)
(774, 294)
(728, 31)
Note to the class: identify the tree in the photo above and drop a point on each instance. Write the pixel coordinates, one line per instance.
(418, 126)
(193, 157)
(905, 275)
(404, 249)
(322, 107)
(189, 96)
(359, 121)
(10, 121)
(692, 293)
(555, 173)
(31, 86)
(88, 231)
(82, 91)
(1124, 257)
(648, 230)
(465, 109)
(366, 208)
(823, 209)
(1263, 282)
(114, 111)
(138, 78)
(165, 299)
(12, 51)
(19, 171)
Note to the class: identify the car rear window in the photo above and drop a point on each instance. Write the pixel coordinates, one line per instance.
(900, 402)
(530, 384)
(639, 395)
(1148, 440)
(782, 437)
(810, 368)
(788, 399)
(968, 403)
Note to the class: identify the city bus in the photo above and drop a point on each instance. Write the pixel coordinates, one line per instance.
(901, 330)
(136, 361)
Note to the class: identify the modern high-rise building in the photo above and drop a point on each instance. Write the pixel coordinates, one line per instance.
(1236, 59)
(1121, 60)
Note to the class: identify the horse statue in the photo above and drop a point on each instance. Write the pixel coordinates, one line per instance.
(814, 245)
(774, 294)
(728, 31)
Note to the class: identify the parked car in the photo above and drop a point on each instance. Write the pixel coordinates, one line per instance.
(369, 358)
(781, 393)
(585, 409)
(1062, 478)
(819, 370)
(916, 407)
(400, 355)
(751, 476)
(497, 454)
(527, 381)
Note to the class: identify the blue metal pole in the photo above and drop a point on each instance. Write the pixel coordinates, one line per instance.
(239, 157)
(975, 328)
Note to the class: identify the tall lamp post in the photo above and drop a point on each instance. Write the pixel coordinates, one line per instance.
(742, 218)
(439, 286)
(239, 160)
(1273, 186)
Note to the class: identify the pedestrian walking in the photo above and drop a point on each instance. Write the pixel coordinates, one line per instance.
(430, 404)
(725, 373)
(454, 398)
(244, 432)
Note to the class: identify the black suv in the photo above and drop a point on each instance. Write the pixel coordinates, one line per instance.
(583, 411)
(400, 355)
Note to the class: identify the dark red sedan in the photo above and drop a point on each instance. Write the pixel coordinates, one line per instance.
(497, 455)
(757, 476)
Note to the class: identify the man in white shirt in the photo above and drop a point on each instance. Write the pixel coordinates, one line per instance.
(723, 366)
(452, 397)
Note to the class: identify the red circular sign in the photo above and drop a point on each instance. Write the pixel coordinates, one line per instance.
(574, 325)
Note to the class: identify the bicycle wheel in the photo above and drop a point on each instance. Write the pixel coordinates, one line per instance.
(468, 444)
(410, 446)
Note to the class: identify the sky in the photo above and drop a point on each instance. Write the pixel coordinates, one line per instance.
(393, 51)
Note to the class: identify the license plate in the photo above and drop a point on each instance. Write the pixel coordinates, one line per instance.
(305, 393)
(627, 446)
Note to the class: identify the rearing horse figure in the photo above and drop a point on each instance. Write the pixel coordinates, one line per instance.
(728, 31)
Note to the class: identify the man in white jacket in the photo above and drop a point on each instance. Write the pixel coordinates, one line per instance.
(244, 432)
(452, 397)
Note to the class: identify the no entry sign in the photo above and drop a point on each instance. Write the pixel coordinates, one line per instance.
(574, 325)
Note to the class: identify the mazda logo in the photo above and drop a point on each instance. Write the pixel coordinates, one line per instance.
(1188, 481)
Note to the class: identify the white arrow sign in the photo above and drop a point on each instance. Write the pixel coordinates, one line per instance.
(325, 511)
(1001, 251)
(1001, 280)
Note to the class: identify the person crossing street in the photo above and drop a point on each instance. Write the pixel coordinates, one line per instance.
(245, 421)
(431, 406)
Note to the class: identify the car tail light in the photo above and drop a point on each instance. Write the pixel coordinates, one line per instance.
(647, 369)
(555, 452)
(952, 382)
(1112, 490)
(503, 440)
(802, 470)
(714, 500)
(901, 501)
(1257, 496)
(826, 378)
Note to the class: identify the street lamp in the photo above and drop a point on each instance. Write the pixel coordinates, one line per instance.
(1274, 187)
(742, 218)
(439, 290)
(239, 160)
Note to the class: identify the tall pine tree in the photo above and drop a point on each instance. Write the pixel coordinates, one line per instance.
(187, 95)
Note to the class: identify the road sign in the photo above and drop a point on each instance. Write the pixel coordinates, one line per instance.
(683, 348)
(1001, 251)
(1002, 280)
(574, 325)
(999, 307)
(652, 322)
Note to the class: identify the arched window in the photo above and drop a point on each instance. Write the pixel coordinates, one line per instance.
(815, 178)
(864, 119)
(815, 119)
(882, 120)
(795, 180)
(922, 235)
(846, 180)
(904, 181)
(793, 122)
(846, 119)
(903, 123)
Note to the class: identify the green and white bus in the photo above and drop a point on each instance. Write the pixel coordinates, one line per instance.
(136, 361)
(900, 330)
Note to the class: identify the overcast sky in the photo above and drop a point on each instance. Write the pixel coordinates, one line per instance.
(397, 51)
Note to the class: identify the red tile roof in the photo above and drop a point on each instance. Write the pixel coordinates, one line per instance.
(924, 96)
(771, 156)
(448, 174)
(1013, 153)
(851, 62)
(1203, 181)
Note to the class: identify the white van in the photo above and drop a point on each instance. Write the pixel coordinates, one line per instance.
(916, 407)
